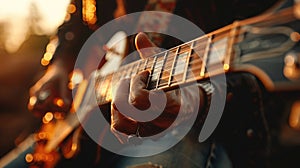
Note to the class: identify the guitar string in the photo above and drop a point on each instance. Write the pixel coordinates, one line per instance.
(167, 62)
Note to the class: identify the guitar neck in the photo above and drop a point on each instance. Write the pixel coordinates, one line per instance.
(196, 60)
(179, 65)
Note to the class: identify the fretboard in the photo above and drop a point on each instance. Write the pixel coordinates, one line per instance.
(192, 61)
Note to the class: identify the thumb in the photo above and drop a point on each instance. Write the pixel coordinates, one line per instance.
(145, 46)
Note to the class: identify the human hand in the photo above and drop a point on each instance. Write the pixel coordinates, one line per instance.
(132, 99)
(51, 92)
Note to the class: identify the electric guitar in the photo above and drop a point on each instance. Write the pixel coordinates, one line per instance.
(266, 46)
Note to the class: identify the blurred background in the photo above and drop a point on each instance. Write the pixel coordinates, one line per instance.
(26, 43)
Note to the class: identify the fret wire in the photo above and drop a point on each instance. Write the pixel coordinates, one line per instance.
(186, 43)
(162, 67)
(153, 64)
(169, 68)
(196, 68)
(197, 52)
(195, 61)
(232, 37)
(192, 68)
(217, 34)
(157, 81)
(149, 63)
(168, 62)
(207, 50)
(157, 69)
(187, 61)
(210, 50)
(176, 78)
(167, 77)
(214, 49)
(189, 69)
(185, 48)
(199, 44)
(151, 70)
(173, 64)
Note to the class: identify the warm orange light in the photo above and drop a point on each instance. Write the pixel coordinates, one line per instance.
(74, 147)
(226, 67)
(75, 78)
(67, 17)
(201, 74)
(29, 158)
(59, 102)
(42, 135)
(48, 56)
(48, 117)
(32, 101)
(295, 36)
(71, 8)
(51, 47)
(58, 115)
(288, 71)
(89, 11)
(289, 60)
(44, 62)
(93, 20)
(294, 120)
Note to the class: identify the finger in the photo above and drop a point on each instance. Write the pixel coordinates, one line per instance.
(119, 121)
(145, 46)
(139, 95)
